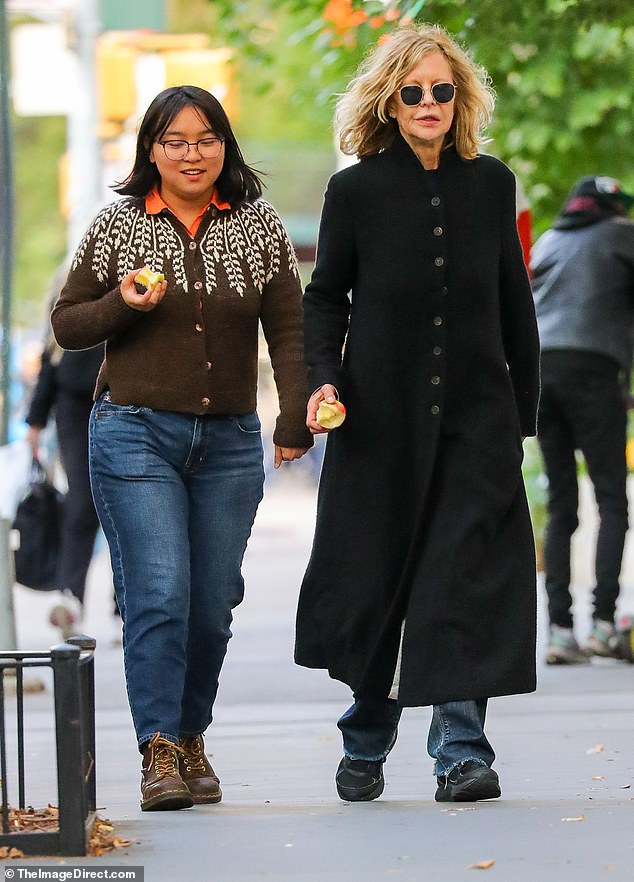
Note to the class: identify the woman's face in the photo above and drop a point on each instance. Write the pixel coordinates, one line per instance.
(426, 124)
(191, 178)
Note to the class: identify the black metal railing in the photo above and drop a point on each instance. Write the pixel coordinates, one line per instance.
(72, 664)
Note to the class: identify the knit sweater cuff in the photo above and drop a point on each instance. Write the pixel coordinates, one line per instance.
(291, 436)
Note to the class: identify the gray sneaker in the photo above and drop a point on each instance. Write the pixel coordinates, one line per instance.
(604, 640)
(563, 648)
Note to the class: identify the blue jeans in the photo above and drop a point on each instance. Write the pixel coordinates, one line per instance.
(456, 734)
(176, 496)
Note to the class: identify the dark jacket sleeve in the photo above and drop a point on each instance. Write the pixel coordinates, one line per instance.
(43, 396)
(517, 313)
(326, 300)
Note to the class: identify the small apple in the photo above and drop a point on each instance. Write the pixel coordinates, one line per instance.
(331, 415)
(147, 278)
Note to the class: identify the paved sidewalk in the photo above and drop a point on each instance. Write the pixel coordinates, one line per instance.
(565, 754)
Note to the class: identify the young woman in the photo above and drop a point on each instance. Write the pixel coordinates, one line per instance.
(175, 445)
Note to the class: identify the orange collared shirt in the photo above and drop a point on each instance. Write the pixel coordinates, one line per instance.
(154, 204)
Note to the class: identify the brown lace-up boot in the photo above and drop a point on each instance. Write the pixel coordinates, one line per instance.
(196, 771)
(162, 787)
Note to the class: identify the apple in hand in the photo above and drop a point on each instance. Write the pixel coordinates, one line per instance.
(331, 415)
(147, 278)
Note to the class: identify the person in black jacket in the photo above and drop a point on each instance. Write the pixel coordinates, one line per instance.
(65, 386)
(421, 587)
(583, 284)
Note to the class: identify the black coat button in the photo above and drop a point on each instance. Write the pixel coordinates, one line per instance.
(435, 409)
(436, 350)
(438, 321)
(439, 261)
(435, 200)
(435, 381)
(437, 231)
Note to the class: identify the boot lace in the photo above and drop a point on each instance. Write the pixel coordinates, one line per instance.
(194, 756)
(165, 759)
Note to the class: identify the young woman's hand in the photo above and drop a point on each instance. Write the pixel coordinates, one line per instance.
(327, 392)
(288, 454)
(145, 302)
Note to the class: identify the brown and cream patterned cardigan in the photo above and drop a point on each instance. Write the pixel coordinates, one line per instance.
(197, 352)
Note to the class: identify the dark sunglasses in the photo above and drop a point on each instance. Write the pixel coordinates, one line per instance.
(442, 93)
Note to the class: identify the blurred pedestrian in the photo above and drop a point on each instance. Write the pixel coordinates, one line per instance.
(583, 284)
(65, 386)
(175, 442)
(421, 584)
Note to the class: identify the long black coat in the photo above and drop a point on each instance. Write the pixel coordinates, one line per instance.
(422, 514)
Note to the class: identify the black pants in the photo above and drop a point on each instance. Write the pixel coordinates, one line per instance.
(80, 519)
(582, 407)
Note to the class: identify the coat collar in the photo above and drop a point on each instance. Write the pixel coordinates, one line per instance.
(402, 152)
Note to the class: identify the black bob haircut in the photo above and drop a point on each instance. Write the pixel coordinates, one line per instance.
(236, 183)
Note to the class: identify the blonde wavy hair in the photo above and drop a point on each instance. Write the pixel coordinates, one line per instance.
(362, 117)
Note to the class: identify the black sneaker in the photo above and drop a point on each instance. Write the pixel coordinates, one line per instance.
(467, 783)
(359, 780)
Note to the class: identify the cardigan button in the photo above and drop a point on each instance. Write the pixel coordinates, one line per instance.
(209, 365)
(438, 321)
(198, 285)
(438, 231)
(439, 261)
(435, 409)
(199, 327)
(435, 200)
(192, 246)
(437, 350)
(205, 402)
(435, 381)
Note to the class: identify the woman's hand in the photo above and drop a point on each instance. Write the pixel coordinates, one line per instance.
(327, 392)
(145, 302)
(33, 438)
(288, 454)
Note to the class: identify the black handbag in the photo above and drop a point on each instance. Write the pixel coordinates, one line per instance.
(39, 522)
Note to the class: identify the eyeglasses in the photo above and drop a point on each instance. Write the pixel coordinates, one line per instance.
(208, 148)
(442, 93)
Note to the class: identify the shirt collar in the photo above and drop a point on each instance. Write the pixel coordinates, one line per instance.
(154, 202)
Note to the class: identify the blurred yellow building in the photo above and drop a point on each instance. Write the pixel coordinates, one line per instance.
(134, 66)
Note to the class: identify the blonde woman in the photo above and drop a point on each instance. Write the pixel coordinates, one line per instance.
(420, 589)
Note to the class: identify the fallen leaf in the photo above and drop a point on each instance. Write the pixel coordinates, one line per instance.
(101, 839)
(579, 818)
(625, 786)
(482, 865)
(598, 748)
(10, 853)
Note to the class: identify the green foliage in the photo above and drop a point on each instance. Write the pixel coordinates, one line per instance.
(40, 231)
(562, 70)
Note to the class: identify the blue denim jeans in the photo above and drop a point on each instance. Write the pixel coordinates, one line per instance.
(176, 495)
(456, 734)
